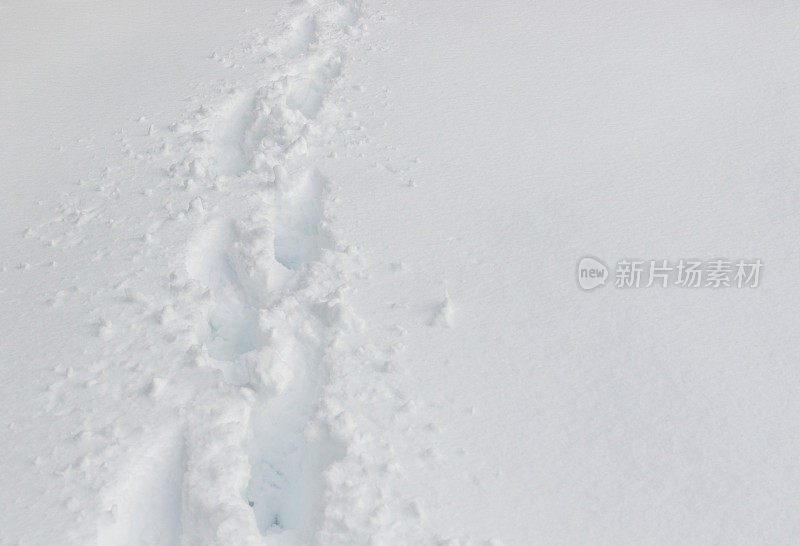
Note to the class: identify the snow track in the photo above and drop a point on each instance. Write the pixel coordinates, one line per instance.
(239, 338)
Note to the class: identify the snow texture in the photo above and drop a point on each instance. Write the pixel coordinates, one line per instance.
(304, 272)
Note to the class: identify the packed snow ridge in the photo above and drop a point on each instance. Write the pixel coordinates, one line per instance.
(238, 351)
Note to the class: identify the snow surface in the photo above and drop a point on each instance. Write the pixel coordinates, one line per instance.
(304, 272)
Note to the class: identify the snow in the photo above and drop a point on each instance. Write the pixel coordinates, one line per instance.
(306, 272)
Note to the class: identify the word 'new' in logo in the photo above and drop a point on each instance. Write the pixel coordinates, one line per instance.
(591, 273)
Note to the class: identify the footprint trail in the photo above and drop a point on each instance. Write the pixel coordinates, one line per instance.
(231, 373)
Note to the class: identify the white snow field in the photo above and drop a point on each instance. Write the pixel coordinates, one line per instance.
(304, 272)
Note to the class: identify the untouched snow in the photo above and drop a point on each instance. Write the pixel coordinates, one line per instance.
(305, 272)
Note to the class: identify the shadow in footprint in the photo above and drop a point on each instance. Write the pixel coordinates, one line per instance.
(233, 320)
(288, 464)
(298, 216)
